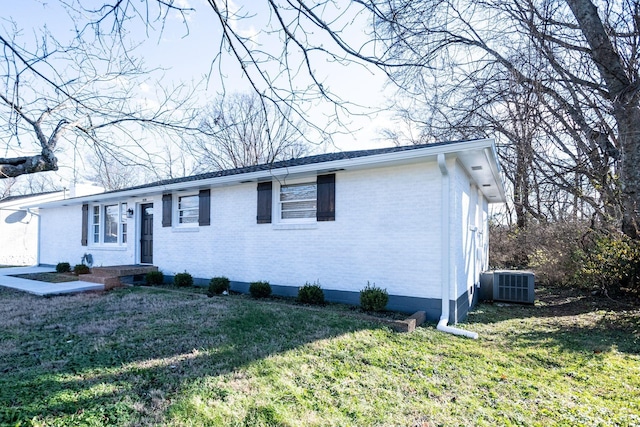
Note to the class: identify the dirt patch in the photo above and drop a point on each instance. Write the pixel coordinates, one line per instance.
(49, 277)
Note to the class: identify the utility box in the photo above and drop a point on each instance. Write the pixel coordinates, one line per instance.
(508, 286)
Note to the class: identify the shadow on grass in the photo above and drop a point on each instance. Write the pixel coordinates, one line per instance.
(570, 319)
(106, 353)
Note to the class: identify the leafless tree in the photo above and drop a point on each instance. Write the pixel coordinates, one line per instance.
(557, 79)
(574, 61)
(56, 96)
(239, 130)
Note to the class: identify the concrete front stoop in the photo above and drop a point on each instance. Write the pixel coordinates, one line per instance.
(111, 277)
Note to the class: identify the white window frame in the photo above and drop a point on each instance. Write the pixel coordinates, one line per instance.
(96, 228)
(124, 228)
(277, 208)
(100, 227)
(178, 210)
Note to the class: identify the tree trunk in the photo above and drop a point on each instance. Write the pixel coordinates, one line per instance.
(623, 93)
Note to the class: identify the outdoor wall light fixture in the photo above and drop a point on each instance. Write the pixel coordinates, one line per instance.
(130, 213)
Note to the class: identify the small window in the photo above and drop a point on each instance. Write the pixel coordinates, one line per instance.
(96, 224)
(188, 208)
(111, 221)
(123, 220)
(298, 201)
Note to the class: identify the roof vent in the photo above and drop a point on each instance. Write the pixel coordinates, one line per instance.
(508, 286)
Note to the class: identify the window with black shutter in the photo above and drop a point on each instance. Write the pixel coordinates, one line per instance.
(264, 202)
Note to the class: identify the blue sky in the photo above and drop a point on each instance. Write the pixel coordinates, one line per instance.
(185, 50)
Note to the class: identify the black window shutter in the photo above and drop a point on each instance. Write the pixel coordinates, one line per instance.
(264, 202)
(166, 210)
(85, 224)
(326, 206)
(204, 203)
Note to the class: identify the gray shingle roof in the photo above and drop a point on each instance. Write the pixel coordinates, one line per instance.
(319, 158)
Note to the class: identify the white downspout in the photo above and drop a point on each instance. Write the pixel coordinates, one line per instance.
(445, 253)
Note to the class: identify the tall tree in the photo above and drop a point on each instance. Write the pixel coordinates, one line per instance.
(574, 61)
(241, 130)
(568, 70)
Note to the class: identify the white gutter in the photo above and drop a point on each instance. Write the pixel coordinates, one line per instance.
(382, 159)
(445, 253)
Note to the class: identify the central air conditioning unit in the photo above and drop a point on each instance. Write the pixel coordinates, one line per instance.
(507, 286)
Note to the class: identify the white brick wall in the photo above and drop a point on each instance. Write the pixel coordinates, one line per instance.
(386, 231)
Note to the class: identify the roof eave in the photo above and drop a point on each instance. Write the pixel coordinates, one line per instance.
(375, 160)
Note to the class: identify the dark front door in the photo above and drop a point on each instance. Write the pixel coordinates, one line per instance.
(146, 234)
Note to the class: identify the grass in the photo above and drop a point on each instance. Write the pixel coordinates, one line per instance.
(145, 356)
(49, 277)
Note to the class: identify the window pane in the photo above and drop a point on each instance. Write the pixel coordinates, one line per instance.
(188, 202)
(298, 192)
(188, 211)
(188, 220)
(123, 220)
(111, 215)
(294, 206)
(298, 214)
(298, 201)
(96, 224)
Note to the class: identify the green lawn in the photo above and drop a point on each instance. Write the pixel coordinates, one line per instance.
(144, 356)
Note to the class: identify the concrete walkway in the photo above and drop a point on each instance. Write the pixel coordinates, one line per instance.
(42, 288)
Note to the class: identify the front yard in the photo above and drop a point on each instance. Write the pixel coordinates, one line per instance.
(145, 356)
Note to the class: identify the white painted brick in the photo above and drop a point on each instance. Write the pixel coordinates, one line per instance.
(387, 232)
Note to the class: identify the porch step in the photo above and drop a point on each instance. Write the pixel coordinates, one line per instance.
(109, 282)
(123, 270)
(110, 276)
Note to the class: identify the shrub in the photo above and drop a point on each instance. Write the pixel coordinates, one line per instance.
(311, 294)
(373, 298)
(154, 278)
(81, 269)
(218, 285)
(183, 279)
(260, 289)
(610, 263)
(63, 267)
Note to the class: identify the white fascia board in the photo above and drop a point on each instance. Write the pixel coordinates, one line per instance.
(376, 160)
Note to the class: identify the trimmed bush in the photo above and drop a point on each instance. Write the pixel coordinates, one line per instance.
(311, 294)
(63, 267)
(81, 269)
(183, 280)
(373, 298)
(154, 278)
(218, 285)
(260, 289)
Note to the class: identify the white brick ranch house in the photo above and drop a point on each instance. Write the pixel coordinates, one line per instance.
(413, 220)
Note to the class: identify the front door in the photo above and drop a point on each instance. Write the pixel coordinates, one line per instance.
(146, 234)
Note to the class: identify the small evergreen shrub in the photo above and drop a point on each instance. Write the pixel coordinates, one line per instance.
(154, 278)
(311, 294)
(260, 289)
(63, 267)
(373, 298)
(218, 285)
(81, 269)
(183, 279)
